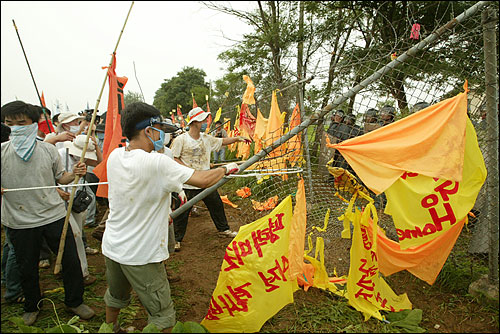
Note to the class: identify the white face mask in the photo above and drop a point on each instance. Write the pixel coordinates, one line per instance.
(167, 139)
(74, 128)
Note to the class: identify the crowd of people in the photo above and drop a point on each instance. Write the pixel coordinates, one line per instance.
(160, 168)
(147, 179)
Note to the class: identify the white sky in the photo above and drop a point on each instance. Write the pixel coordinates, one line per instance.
(67, 43)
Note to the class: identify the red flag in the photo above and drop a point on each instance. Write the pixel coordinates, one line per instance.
(43, 100)
(179, 115)
(247, 120)
(415, 31)
(173, 119)
(113, 137)
(194, 102)
(209, 118)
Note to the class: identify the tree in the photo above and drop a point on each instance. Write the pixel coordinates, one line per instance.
(131, 97)
(178, 89)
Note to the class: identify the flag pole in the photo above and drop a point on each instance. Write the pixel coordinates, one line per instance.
(57, 267)
(32, 77)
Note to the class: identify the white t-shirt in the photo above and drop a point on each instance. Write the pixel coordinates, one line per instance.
(140, 184)
(195, 153)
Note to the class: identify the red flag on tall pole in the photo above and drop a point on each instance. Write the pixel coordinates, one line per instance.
(46, 125)
(194, 101)
(113, 137)
(43, 100)
(209, 118)
(179, 115)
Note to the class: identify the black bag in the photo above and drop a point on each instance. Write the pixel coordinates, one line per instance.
(81, 201)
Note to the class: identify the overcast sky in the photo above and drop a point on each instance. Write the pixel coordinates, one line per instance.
(67, 43)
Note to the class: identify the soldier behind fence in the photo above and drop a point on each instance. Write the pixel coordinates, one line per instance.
(371, 120)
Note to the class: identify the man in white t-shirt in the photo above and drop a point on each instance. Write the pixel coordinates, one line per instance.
(193, 149)
(135, 241)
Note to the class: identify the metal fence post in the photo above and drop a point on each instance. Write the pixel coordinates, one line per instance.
(489, 21)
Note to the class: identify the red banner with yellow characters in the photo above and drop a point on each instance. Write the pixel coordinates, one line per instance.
(254, 282)
(424, 208)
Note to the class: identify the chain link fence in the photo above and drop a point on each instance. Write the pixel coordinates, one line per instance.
(406, 76)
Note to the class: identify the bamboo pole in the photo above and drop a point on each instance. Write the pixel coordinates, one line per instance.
(57, 267)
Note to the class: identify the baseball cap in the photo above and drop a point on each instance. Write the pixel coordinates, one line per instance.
(197, 114)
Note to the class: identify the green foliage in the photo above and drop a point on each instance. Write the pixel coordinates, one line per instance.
(189, 327)
(131, 97)
(178, 89)
(407, 320)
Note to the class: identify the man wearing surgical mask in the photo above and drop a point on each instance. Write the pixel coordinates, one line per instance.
(29, 215)
(70, 125)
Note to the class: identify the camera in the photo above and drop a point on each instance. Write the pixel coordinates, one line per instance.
(88, 115)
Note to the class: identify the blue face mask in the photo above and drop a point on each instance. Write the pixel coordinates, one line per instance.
(203, 127)
(100, 135)
(23, 138)
(158, 144)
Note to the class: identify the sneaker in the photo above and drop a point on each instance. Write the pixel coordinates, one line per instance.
(228, 233)
(177, 246)
(44, 264)
(83, 311)
(89, 279)
(29, 318)
(91, 251)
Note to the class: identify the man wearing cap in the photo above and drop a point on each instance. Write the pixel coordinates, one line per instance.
(135, 241)
(70, 154)
(29, 215)
(70, 125)
(193, 149)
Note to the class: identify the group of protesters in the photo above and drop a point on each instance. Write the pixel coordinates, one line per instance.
(147, 178)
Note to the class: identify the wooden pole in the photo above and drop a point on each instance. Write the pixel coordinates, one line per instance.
(57, 267)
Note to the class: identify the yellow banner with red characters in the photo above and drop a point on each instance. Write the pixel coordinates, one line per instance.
(366, 289)
(423, 207)
(254, 281)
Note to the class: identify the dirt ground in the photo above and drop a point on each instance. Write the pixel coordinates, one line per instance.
(198, 265)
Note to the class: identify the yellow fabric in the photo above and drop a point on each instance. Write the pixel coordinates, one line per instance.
(317, 276)
(248, 95)
(294, 148)
(367, 291)
(217, 115)
(298, 232)
(243, 148)
(254, 282)
(260, 131)
(423, 207)
(429, 142)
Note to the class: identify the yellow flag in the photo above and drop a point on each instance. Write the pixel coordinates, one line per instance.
(298, 232)
(366, 289)
(429, 142)
(254, 282)
(217, 115)
(424, 208)
(248, 95)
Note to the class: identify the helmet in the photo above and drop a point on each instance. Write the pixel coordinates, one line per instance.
(370, 113)
(420, 105)
(387, 109)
